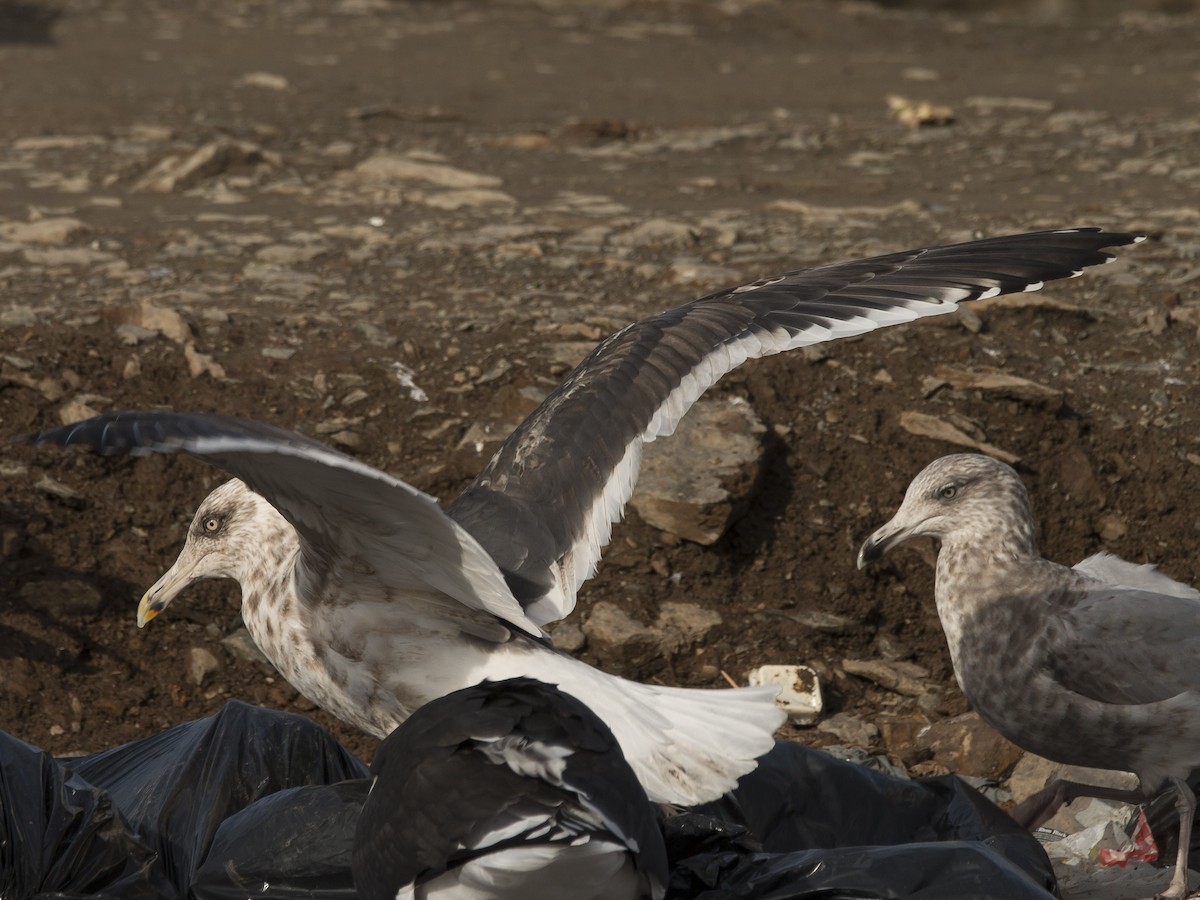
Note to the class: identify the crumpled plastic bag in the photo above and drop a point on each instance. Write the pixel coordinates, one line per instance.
(257, 803)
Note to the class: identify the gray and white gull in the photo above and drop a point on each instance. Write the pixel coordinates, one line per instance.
(371, 600)
(1094, 665)
(508, 790)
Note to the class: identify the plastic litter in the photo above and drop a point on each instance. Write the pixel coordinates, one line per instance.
(257, 803)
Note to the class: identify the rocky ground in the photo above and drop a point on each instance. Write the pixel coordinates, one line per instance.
(395, 226)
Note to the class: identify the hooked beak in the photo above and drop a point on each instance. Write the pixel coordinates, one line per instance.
(883, 540)
(166, 589)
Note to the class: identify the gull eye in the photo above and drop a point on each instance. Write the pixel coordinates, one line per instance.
(213, 524)
(949, 492)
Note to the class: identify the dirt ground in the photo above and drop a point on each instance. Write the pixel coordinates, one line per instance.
(279, 275)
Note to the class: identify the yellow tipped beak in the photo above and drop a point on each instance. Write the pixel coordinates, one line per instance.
(145, 611)
(167, 588)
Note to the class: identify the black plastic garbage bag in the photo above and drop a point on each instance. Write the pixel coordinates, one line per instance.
(163, 797)
(61, 837)
(835, 829)
(256, 803)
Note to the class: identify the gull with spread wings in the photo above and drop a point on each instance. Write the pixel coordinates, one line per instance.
(372, 600)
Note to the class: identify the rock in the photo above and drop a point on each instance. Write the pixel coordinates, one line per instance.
(966, 745)
(684, 625)
(201, 363)
(73, 411)
(131, 335)
(179, 173)
(695, 484)
(136, 319)
(1001, 384)
(462, 199)
(200, 664)
(925, 425)
(689, 272)
(850, 730)
(59, 491)
(568, 637)
(657, 233)
(905, 678)
(44, 231)
(1032, 773)
(265, 80)
(68, 597)
(241, 646)
(390, 167)
(278, 352)
(799, 693)
(613, 634)
(899, 732)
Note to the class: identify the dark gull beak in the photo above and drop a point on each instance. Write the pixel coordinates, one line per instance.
(879, 543)
(166, 589)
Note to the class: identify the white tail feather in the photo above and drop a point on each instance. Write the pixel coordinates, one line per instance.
(686, 745)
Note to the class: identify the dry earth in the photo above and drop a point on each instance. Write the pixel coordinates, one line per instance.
(297, 211)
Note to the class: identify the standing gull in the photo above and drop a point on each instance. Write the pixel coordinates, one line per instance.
(508, 790)
(1091, 666)
(371, 600)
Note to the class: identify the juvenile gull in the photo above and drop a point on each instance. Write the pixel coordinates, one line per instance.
(508, 790)
(371, 600)
(1094, 665)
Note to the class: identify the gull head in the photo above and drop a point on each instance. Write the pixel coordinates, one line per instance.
(223, 541)
(964, 498)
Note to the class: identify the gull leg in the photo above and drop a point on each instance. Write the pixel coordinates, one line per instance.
(1185, 802)
(1040, 807)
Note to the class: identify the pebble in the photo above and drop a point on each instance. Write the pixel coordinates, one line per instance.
(200, 664)
(850, 729)
(391, 167)
(905, 678)
(241, 646)
(44, 231)
(614, 635)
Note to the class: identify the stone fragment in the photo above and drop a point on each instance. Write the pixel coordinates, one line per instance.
(200, 664)
(799, 692)
(241, 646)
(696, 483)
(59, 491)
(1033, 773)
(850, 730)
(568, 637)
(903, 677)
(686, 272)
(391, 167)
(1001, 384)
(682, 625)
(176, 173)
(44, 231)
(919, 113)
(462, 199)
(966, 745)
(612, 634)
(925, 425)
(201, 363)
(74, 411)
(657, 233)
(265, 80)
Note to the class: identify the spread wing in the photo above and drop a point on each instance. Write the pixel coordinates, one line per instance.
(350, 516)
(544, 505)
